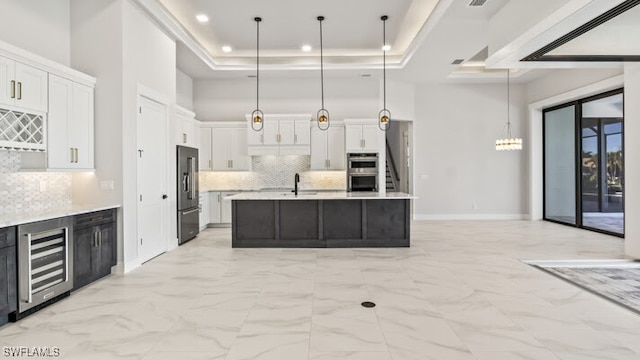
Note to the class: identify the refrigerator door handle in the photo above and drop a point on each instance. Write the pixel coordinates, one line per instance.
(191, 168)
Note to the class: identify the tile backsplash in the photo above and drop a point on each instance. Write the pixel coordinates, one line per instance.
(274, 172)
(22, 192)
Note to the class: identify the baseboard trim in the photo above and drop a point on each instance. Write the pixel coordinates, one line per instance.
(471, 217)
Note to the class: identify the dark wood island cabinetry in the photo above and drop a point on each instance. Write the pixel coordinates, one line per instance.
(321, 220)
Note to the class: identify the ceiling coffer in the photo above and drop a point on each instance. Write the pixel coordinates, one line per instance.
(477, 2)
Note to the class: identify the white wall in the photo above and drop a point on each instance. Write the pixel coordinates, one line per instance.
(401, 100)
(149, 58)
(561, 81)
(41, 27)
(632, 159)
(230, 100)
(144, 56)
(458, 173)
(96, 38)
(184, 90)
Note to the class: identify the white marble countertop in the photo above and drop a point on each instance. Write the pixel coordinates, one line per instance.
(19, 219)
(336, 195)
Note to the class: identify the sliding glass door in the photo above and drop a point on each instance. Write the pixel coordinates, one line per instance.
(583, 163)
(559, 165)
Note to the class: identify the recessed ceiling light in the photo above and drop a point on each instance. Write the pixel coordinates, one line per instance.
(386, 47)
(306, 48)
(227, 48)
(203, 18)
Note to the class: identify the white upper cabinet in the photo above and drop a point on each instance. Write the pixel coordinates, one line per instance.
(281, 135)
(70, 125)
(186, 125)
(204, 147)
(23, 86)
(228, 147)
(327, 148)
(363, 136)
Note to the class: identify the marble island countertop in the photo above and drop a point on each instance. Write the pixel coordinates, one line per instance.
(24, 218)
(334, 195)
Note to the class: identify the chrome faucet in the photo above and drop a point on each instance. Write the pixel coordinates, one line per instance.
(296, 180)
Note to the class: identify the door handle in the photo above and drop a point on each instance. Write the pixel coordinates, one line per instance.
(190, 212)
(13, 89)
(19, 90)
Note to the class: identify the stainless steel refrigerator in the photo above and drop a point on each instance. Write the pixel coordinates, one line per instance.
(188, 196)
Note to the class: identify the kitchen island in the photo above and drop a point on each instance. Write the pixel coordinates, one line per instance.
(318, 220)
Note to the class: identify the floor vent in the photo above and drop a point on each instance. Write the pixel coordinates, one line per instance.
(477, 2)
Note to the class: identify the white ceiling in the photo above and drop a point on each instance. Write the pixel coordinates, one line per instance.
(425, 36)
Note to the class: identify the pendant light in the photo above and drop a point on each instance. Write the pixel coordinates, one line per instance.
(323, 114)
(384, 116)
(510, 143)
(257, 117)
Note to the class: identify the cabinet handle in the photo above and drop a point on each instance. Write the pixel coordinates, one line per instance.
(13, 89)
(99, 238)
(95, 239)
(71, 161)
(219, 197)
(76, 155)
(184, 138)
(328, 163)
(231, 163)
(19, 90)
(364, 143)
(295, 138)
(210, 164)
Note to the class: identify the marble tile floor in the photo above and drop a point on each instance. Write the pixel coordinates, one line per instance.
(460, 292)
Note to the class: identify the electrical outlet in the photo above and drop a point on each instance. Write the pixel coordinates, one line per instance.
(106, 185)
(43, 185)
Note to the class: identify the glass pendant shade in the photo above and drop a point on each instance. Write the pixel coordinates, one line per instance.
(384, 115)
(322, 117)
(257, 117)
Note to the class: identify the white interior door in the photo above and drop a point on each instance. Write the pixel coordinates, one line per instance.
(152, 174)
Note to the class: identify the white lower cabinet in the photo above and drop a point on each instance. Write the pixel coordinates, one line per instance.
(225, 208)
(214, 207)
(220, 207)
(204, 210)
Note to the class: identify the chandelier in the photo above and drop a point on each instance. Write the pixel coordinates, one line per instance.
(510, 143)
